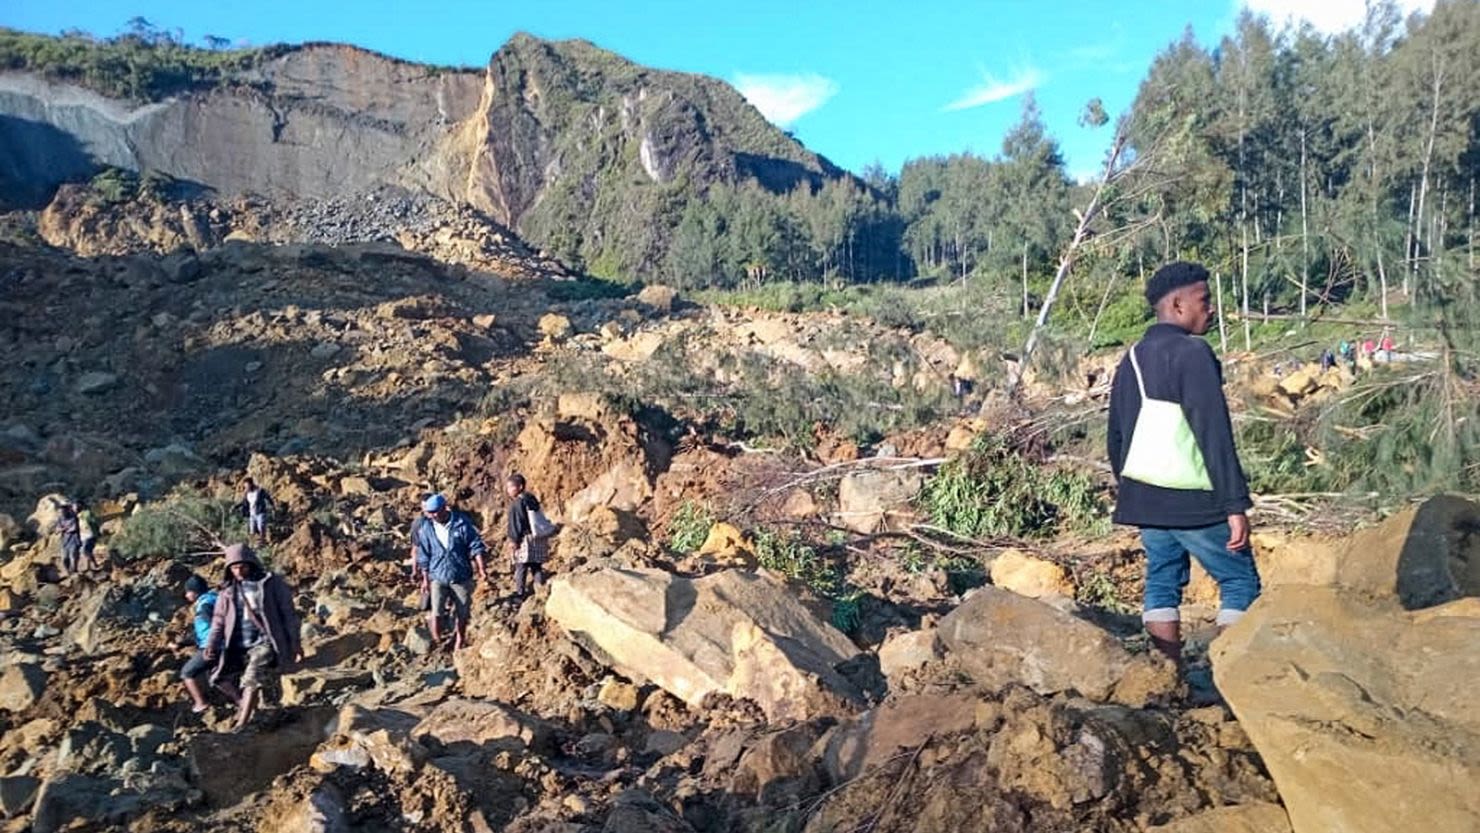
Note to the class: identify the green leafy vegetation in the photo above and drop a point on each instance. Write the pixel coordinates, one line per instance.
(186, 521)
(689, 527)
(792, 556)
(995, 490)
(143, 64)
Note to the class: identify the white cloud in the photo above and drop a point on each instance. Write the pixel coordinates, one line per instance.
(785, 98)
(1329, 16)
(992, 89)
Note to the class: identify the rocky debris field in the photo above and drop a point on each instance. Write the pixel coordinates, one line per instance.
(720, 684)
(631, 695)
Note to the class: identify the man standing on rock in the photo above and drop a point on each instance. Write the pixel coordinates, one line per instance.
(254, 628)
(1172, 450)
(447, 547)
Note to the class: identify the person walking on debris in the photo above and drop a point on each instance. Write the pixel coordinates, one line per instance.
(87, 531)
(528, 532)
(70, 527)
(1172, 451)
(254, 628)
(448, 547)
(202, 601)
(255, 505)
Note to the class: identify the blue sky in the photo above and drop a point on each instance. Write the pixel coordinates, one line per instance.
(856, 81)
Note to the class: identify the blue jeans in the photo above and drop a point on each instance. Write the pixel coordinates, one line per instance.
(1168, 570)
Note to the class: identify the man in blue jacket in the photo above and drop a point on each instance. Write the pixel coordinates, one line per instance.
(447, 546)
(1180, 480)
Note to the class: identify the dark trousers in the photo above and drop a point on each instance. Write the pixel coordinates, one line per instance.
(537, 571)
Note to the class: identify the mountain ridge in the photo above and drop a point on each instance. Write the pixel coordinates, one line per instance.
(578, 149)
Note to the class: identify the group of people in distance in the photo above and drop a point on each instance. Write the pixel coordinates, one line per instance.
(1359, 352)
(246, 630)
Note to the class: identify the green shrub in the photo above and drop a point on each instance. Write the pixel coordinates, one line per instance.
(994, 490)
(184, 522)
(689, 527)
(792, 556)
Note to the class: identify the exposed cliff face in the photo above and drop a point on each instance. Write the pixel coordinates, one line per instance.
(576, 148)
(316, 122)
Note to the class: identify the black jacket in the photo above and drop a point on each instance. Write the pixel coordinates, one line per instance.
(518, 516)
(1180, 367)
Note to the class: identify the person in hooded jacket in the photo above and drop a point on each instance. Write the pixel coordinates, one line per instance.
(254, 628)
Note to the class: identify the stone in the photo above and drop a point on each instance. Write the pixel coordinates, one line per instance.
(485, 321)
(800, 505)
(298, 687)
(639, 347)
(67, 800)
(876, 735)
(660, 298)
(554, 326)
(1425, 555)
(1000, 638)
(323, 350)
(21, 686)
(1030, 576)
(730, 632)
(905, 652)
(362, 738)
(664, 742)
(48, 510)
(1299, 383)
(481, 723)
(872, 500)
(10, 602)
(16, 794)
(321, 811)
(174, 459)
(1258, 817)
(1363, 712)
(418, 641)
(726, 544)
(615, 694)
(95, 381)
(779, 768)
(355, 486)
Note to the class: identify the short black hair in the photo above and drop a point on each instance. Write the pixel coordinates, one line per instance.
(1174, 276)
(516, 478)
(197, 585)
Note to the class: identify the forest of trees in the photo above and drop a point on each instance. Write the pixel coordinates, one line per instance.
(1305, 168)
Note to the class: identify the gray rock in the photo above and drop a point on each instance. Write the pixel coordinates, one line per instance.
(95, 381)
(21, 686)
(16, 794)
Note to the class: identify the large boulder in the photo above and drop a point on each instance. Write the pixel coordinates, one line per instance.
(1357, 687)
(1424, 555)
(482, 723)
(731, 632)
(999, 638)
(1364, 713)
